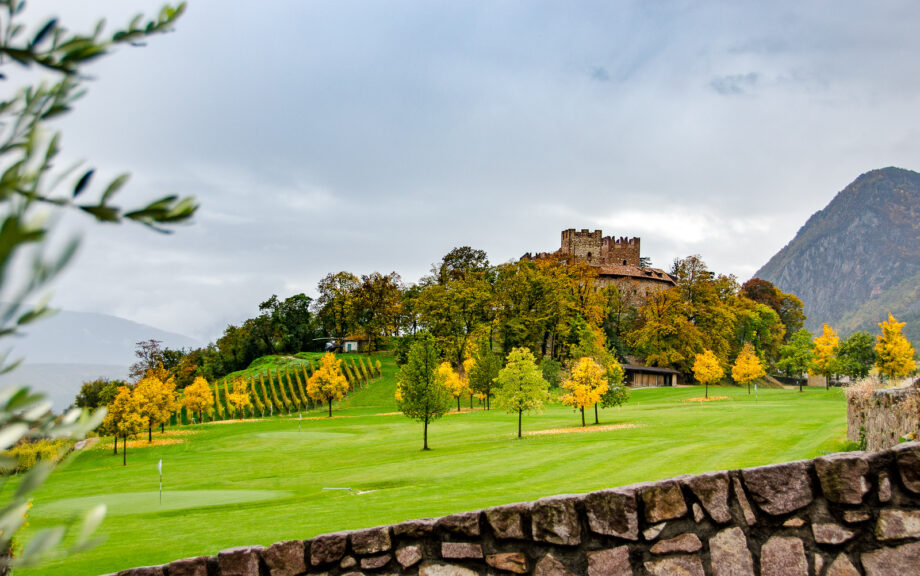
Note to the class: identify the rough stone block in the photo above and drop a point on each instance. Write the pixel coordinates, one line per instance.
(712, 491)
(841, 566)
(444, 570)
(466, 524)
(779, 489)
(415, 528)
(663, 501)
(143, 571)
(652, 532)
(375, 562)
(348, 562)
(242, 561)
(508, 521)
(855, 516)
(328, 548)
(549, 566)
(613, 562)
(781, 556)
(686, 542)
(408, 556)
(884, 488)
(794, 522)
(285, 558)
(698, 514)
(749, 517)
(730, 554)
(555, 520)
(352, 574)
(509, 562)
(676, 565)
(371, 541)
(907, 456)
(829, 533)
(899, 561)
(455, 550)
(613, 513)
(897, 524)
(818, 562)
(189, 566)
(843, 477)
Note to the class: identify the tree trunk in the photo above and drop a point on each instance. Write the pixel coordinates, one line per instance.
(458, 403)
(471, 401)
(150, 433)
(800, 384)
(596, 421)
(749, 387)
(330, 408)
(124, 451)
(582, 416)
(425, 446)
(116, 445)
(707, 388)
(162, 427)
(519, 422)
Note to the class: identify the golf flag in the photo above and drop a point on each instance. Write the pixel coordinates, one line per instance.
(160, 467)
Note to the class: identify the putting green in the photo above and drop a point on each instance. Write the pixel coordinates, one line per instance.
(304, 435)
(132, 503)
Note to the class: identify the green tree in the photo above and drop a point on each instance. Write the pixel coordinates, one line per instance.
(520, 385)
(378, 300)
(797, 355)
(484, 371)
(421, 393)
(97, 393)
(857, 355)
(335, 306)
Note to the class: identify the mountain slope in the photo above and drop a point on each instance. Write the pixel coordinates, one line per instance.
(858, 258)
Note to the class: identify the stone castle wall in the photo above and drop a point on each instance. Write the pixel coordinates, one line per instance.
(597, 249)
(882, 418)
(845, 514)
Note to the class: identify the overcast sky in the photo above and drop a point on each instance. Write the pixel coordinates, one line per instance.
(376, 136)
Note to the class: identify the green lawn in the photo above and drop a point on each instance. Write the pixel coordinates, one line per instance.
(260, 482)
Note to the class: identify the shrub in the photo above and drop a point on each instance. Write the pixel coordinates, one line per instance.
(28, 454)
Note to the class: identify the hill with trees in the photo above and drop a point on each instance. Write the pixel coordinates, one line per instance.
(859, 258)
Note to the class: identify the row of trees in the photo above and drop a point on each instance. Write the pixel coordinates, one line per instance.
(153, 400)
(427, 386)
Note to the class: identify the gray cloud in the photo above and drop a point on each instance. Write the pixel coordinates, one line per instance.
(324, 136)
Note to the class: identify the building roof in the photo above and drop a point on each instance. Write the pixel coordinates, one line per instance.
(648, 369)
(620, 271)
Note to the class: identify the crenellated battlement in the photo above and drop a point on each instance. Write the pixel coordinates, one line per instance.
(597, 249)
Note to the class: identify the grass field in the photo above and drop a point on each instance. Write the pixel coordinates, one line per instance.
(258, 482)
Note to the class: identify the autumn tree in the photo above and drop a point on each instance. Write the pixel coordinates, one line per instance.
(377, 304)
(747, 367)
(787, 306)
(796, 356)
(592, 344)
(452, 381)
(707, 369)
(198, 399)
(125, 418)
(482, 375)
(157, 400)
(586, 384)
(328, 384)
(895, 355)
(149, 354)
(421, 393)
(825, 360)
(239, 397)
(520, 386)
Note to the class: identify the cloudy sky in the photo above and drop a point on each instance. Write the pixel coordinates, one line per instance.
(363, 136)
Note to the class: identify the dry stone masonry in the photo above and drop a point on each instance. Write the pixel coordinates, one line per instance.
(847, 514)
(879, 420)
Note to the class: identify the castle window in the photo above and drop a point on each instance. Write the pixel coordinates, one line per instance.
(589, 255)
(624, 262)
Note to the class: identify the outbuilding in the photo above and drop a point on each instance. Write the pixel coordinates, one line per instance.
(638, 376)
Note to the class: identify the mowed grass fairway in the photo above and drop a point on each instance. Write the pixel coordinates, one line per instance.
(232, 484)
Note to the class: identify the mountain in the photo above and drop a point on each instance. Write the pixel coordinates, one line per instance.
(63, 351)
(858, 258)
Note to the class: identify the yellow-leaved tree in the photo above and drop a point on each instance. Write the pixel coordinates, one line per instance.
(894, 353)
(198, 399)
(707, 369)
(452, 381)
(587, 383)
(747, 366)
(124, 419)
(467, 366)
(157, 400)
(239, 397)
(328, 384)
(825, 359)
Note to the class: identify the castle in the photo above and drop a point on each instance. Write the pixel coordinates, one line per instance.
(618, 261)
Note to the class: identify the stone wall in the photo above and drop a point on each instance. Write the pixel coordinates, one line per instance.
(881, 418)
(597, 249)
(845, 514)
